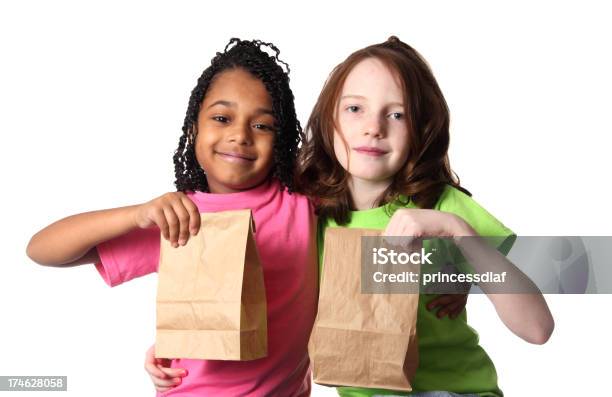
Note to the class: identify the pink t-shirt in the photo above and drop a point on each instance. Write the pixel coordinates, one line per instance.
(285, 236)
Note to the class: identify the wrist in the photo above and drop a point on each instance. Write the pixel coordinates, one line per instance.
(133, 215)
(462, 229)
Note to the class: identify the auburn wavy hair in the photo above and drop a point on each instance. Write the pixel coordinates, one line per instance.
(427, 169)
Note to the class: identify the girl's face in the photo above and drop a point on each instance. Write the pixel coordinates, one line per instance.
(235, 139)
(371, 142)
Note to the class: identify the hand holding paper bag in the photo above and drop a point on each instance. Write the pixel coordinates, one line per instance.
(211, 301)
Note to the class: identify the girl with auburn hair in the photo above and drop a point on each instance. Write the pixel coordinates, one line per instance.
(376, 156)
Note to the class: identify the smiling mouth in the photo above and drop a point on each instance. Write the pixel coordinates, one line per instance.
(370, 151)
(235, 157)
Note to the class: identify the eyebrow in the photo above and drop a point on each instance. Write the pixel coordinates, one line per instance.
(233, 105)
(362, 97)
(353, 96)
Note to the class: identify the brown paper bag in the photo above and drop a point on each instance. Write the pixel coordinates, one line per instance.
(211, 300)
(363, 340)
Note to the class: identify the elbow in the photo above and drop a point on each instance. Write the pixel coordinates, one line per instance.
(33, 252)
(542, 333)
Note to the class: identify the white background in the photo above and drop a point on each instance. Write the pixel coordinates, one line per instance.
(92, 98)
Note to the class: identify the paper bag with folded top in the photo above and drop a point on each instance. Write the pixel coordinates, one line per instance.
(358, 339)
(211, 300)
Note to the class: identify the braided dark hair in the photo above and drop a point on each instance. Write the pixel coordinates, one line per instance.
(249, 56)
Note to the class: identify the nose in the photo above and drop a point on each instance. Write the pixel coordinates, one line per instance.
(374, 126)
(240, 133)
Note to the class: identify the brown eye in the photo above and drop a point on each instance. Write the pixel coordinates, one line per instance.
(220, 119)
(264, 127)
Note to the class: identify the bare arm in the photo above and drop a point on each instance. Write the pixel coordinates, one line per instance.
(72, 241)
(525, 311)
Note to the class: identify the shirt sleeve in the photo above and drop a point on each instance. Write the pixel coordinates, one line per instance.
(486, 225)
(131, 255)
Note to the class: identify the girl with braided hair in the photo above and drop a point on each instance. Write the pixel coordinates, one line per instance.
(238, 150)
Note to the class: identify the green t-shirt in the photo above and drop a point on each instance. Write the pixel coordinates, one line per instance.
(450, 357)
